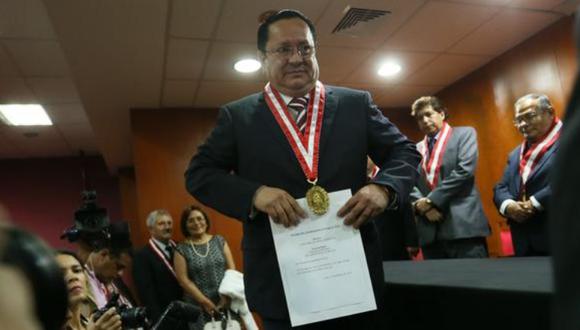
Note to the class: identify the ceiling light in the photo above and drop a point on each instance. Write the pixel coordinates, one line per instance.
(389, 69)
(247, 65)
(24, 115)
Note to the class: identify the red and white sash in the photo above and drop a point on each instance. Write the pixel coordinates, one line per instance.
(530, 159)
(432, 165)
(162, 255)
(305, 147)
(374, 172)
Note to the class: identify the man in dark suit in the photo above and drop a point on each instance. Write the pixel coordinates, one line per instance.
(523, 193)
(451, 222)
(255, 163)
(153, 272)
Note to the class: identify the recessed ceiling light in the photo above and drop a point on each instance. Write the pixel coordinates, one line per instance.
(389, 69)
(24, 115)
(247, 65)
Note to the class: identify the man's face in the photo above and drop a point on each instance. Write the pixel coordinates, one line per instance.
(162, 229)
(531, 121)
(292, 74)
(429, 120)
(108, 266)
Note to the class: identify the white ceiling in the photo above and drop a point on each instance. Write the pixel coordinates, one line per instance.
(89, 62)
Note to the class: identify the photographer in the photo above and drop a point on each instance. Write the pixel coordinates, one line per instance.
(76, 282)
(105, 252)
(107, 262)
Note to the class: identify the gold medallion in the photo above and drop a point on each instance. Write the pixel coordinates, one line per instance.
(317, 199)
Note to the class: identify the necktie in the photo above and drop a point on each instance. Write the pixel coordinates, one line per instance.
(299, 105)
(169, 250)
(430, 144)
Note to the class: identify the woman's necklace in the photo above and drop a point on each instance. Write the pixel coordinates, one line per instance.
(199, 254)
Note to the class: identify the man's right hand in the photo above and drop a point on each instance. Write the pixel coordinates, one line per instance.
(279, 205)
(433, 215)
(516, 212)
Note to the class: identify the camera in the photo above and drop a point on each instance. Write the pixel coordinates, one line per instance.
(90, 222)
(130, 317)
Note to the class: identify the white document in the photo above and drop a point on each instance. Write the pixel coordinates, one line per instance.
(323, 266)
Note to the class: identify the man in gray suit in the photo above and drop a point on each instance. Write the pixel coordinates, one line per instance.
(450, 218)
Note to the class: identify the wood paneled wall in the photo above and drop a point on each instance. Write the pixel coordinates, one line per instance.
(163, 142)
(545, 63)
(165, 139)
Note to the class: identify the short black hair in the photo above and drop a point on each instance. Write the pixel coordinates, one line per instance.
(263, 29)
(118, 240)
(185, 215)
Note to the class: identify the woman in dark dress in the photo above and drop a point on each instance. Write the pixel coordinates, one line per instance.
(200, 263)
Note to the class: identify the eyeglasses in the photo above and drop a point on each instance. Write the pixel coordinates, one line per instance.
(527, 118)
(304, 50)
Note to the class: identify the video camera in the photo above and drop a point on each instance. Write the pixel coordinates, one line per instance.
(130, 317)
(91, 222)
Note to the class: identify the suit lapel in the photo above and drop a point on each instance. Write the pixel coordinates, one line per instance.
(268, 123)
(449, 160)
(543, 160)
(330, 109)
(517, 179)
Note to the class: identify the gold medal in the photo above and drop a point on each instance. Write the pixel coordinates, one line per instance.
(317, 199)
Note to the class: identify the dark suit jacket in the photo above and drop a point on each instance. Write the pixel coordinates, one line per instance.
(456, 194)
(155, 284)
(397, 231)
(532, 235)
(248, 142)
(564, 215)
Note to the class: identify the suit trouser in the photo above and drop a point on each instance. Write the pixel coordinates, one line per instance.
(473, 247)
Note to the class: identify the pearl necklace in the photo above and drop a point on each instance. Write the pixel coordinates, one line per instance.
(199, 254)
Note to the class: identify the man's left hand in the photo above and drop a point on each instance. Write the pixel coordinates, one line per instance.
(369, 201)
(433, 215)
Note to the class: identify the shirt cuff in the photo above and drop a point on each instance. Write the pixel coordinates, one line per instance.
(504, 205)
(536, 204)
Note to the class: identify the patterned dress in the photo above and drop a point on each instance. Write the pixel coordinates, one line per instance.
(206, 269)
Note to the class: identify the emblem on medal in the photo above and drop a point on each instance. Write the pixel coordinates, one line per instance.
(317, 199)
